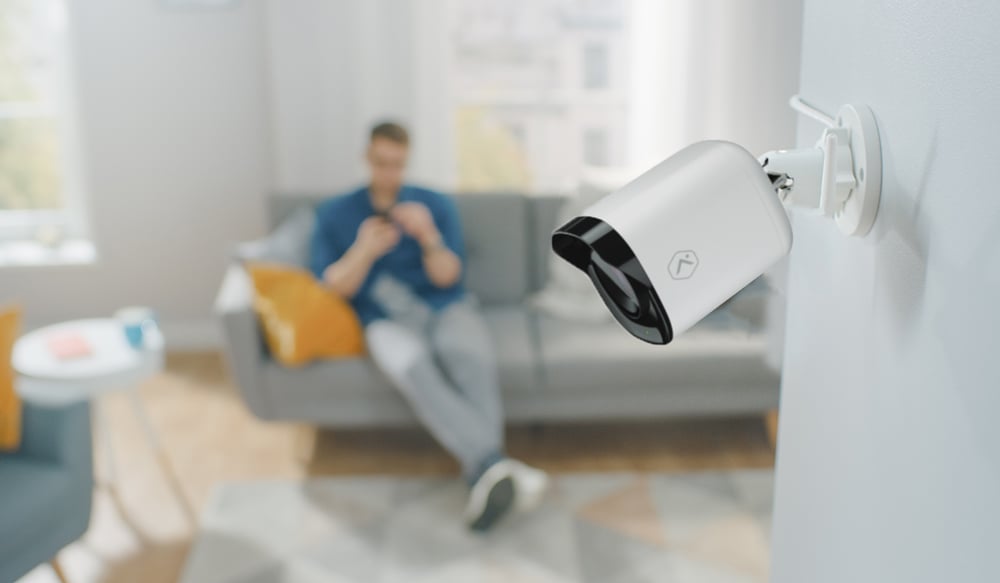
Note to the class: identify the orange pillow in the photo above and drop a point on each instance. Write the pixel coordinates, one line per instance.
(301, 320)
(10, 404)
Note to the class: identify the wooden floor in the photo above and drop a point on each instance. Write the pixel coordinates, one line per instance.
(141, 534)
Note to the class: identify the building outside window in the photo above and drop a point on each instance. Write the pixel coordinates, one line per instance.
(595, 66)
(596, 147)
(531, 76)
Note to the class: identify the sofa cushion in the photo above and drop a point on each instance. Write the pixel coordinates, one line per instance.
(329, 389)
(543, 212)
(516, 347)
(496, 244)
(36, 497)
(317, 384)
(578, 357)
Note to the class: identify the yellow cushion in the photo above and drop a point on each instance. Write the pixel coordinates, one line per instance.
(302, 321)
(10, 404)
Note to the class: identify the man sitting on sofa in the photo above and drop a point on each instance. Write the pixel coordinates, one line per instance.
(396, 252)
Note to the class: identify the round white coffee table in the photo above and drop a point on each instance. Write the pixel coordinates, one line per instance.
(112, 365)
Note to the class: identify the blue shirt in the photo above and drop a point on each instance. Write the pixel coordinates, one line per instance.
(337, 224)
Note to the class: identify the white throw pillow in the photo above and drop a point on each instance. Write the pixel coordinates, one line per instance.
(289, 243)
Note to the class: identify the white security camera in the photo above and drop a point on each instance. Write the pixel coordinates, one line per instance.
(678, 241)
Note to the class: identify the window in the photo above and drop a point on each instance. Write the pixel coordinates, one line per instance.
(595, 147)
(37, 198)
(524, 74)
(517, 132)
(595, 66)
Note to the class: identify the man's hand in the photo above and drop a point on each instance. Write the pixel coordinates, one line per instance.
(416, 221)
(442, 266)
(376, 237)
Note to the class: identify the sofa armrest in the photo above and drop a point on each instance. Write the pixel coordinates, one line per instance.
(58, 435)
(242, 339)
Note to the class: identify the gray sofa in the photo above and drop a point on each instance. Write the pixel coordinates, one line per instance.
(550, 369)
(47, 486)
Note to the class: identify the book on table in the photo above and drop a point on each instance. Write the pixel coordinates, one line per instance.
(69, 345)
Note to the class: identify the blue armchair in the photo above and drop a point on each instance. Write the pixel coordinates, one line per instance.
(46, 488)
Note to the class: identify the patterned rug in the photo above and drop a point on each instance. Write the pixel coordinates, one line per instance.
(601, 528)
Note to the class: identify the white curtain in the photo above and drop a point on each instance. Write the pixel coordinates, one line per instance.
(712, 69)
(338, 66)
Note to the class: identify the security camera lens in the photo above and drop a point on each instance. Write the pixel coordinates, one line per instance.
(619, 278)
(617, 286)
(594, 247)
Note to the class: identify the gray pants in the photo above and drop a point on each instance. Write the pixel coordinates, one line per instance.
(444, 365)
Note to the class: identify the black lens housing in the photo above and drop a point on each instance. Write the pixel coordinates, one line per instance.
(595, 248)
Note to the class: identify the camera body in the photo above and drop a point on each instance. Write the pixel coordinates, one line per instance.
(679, 240)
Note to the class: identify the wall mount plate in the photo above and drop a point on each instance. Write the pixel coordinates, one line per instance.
(856, 215)
(840, 177)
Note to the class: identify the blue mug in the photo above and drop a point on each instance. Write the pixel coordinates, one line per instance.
(136, 322)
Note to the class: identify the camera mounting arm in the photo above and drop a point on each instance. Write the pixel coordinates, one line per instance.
(840, 177)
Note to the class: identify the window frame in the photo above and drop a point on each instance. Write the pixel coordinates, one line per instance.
(71, 220)
(596, 78)
(596, 143)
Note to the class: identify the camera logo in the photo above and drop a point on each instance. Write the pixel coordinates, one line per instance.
(683, 264)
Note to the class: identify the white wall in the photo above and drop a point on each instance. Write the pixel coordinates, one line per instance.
(338, 67)
(889, 455)
(176, 160)
(712, 69)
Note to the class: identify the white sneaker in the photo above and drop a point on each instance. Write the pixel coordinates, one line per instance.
(530, 484)
(492, 496)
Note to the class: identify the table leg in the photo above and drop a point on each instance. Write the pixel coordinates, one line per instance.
(57, 569)
(771, 425)
(101, 408)
(161, 454)
(104, 428)
(305, 443)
